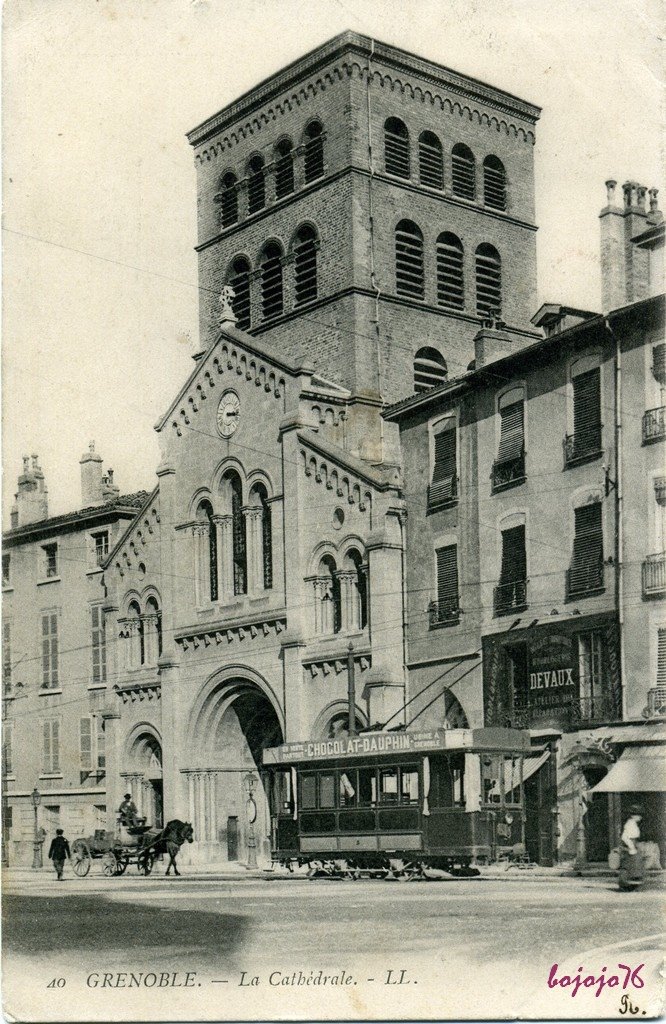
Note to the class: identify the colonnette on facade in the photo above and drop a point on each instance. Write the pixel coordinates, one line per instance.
(487, 549)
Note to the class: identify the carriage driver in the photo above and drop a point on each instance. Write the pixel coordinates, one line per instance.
(128, 812)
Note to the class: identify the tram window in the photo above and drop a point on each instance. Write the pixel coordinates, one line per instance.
(327, 790)
(282, 793)
(457, 770)
(367, 787)
(490, 775)
(388, 785)
(308, 791)
(348, 789)
(409, 786)
(512, 778)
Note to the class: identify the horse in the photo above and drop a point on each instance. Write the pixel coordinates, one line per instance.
(170, 840)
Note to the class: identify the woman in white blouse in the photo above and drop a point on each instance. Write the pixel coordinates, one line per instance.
(632, 869)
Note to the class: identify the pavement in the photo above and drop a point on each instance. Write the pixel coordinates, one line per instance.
(236, 946)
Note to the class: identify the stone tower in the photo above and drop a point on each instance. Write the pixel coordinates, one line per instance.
(370, 209)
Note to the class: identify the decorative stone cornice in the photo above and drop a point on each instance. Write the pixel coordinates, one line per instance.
(350, 55)
(332, 664)
(130, 693)
(137, 536)
(226, 633)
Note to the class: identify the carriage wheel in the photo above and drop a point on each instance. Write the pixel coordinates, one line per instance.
(109, 864)
(81, 859)
(121, 866)
(145, 863)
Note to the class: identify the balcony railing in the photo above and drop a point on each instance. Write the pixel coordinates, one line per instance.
(657, 700)
(510, 597)
(443, 613)
(603, 707)
(582, 446)
(508, 472)
(654, 575)
(443, 494)
(585, 579)
(654, 425)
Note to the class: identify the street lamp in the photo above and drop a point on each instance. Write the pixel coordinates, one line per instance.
(36, 797)
(251, 809)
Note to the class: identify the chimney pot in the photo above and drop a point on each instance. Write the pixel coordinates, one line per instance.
(610, 191)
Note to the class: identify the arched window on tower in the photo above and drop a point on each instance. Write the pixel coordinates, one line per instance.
(431, 163)
(450, 273)
(429, 369)
(357, 612)
(463, 172)
(272, 296)
(409, 260)
(313, 158)
(228, 199)
(396, 148)
(136, 653)
(256, 185)
(488, 280)
(494, 183)
(328, 610)
(239, 279)
(261, 540)
(206, 554)
(284, 169)
(305, 265)
(153, 631)
(239, 547)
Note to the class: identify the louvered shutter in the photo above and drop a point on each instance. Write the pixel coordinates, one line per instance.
(587, 411)
(659, 363)
(514, 561)
(661, 657)
(447, 581)
(443, 486)
(586, 571)
(86, 745)
(511, 432)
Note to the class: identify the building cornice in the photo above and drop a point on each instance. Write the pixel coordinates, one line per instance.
(68, 523)
(348, 54)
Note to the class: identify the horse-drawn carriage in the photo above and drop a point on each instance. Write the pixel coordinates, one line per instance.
(139, 844)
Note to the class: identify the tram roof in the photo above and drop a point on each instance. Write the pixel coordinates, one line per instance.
(380, 744)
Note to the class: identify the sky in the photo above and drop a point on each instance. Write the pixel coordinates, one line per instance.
(99, 190)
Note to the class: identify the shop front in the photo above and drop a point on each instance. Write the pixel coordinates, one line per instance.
(558, 680)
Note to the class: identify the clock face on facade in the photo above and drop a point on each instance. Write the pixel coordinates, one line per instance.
(228, 413)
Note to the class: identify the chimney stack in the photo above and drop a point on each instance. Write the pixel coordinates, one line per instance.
(624, 265)
(491, 342)
(91, 477)
(32, 500)
(109, 489)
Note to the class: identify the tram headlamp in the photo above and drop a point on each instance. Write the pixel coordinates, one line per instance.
(508, 819)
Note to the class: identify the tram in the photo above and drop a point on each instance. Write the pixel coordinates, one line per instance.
(397, 803)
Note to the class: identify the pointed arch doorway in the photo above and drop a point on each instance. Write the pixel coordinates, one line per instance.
(235, 718)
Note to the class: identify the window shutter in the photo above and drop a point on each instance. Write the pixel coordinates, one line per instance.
(313, 163)
(514, 560)
(46, 748)
(86, 745)
(443, 486)
(431, 165)
(396, 148)
(272, 300)
(488, 281)
(659, 363)
(447, 578)
(463, 174)
(305, 267)
(409, 260)
(661, 656)
(450, 279)
(587, 410)
(101, 744)
(585, 572)
(511, 432)
(240, 282)
(55, 745)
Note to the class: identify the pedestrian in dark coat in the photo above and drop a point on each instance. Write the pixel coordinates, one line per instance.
(58, 852)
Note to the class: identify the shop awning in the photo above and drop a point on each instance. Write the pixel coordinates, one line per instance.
(532, 764)
(639, 769)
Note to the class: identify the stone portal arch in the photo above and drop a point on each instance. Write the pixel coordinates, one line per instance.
(234, 719)
(143, 773)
